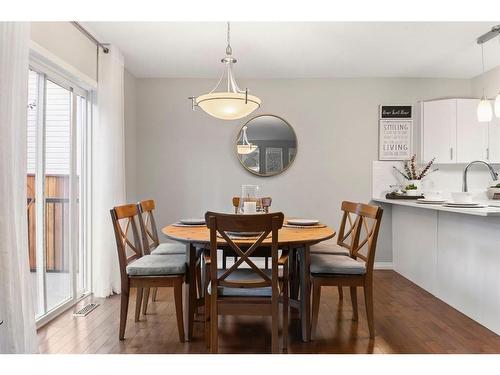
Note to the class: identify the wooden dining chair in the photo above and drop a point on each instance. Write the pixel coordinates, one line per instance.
(245, 291)
(355, 270)
(144, 271)
(262, 204)
(343, 244)
(151, 242)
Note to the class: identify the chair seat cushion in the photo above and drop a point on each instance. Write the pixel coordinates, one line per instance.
(152, 265)
(336, 265)
(239, 275)
(166, 248)
(169, 248)
(329, 247)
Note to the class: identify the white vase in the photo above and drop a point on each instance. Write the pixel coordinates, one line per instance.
(418, 190)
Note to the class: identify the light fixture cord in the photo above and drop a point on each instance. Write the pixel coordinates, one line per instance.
(229, 50)
(482, 61)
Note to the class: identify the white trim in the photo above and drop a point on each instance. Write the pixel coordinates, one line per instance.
(383, 266)
(56, 65)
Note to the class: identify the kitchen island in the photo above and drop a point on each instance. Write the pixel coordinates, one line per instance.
(453, 253)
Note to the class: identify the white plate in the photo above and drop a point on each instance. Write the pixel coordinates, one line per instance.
(430, 201)
(465, 205)
(461, 204)
(302, 222)
(192, 221)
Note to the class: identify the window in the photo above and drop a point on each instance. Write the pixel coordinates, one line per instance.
(58, 133)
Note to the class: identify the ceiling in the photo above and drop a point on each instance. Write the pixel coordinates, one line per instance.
(302, 49)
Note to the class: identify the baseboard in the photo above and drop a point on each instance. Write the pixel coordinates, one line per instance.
(383, 266)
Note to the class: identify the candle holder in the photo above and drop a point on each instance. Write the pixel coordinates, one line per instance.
(250, 202)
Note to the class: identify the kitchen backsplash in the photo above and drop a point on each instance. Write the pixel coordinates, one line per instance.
(447, 179)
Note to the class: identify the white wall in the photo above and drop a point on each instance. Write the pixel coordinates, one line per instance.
(130, 136)
(66, 42)
(186, 160)
(490, 81)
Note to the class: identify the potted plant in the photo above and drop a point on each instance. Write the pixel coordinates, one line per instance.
(414, 174)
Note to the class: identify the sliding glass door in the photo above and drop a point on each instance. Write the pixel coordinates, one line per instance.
(57, 139)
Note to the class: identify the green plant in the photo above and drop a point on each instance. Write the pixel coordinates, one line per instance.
(412, 172)
(495, 186)
(411, 187)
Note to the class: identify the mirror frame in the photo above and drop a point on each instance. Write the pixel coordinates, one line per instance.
(238, 137)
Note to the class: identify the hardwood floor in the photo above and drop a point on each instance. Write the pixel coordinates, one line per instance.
(407, 320)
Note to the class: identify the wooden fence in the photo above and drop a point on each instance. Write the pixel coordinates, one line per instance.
(56, 223)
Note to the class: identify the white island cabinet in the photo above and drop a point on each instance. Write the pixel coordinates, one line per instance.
(452, 253)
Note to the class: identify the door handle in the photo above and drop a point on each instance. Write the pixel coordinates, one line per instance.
(451, 153)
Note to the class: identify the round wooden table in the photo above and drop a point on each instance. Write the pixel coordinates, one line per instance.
(297, 239)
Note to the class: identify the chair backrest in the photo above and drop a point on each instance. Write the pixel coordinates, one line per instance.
(366, 234)
(124, 220)
(264, 224)
(265, 202)
(348, 225)
(147, 223)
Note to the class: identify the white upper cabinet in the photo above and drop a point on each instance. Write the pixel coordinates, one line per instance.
(439, 130)
(451, 133)
(494, 139)
(472, 135)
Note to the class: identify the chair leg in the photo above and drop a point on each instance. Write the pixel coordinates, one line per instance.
(198, 280)
(214, 320)
(354, 301)
(207, 308)
(123, 313)
(316, 297)
(138, 302)
(368, 291)
(275, 323)
(155, 293)
(285, 308)
(178, 309)
(145, 301)
(341, 292)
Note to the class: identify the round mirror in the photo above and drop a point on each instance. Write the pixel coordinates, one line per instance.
(266, 145)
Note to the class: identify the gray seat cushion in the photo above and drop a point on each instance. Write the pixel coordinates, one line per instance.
(336, 265)
(243, 274)
(166, 248)
(329, 247)
(153, 265)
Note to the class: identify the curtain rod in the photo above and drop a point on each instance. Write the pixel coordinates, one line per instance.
(104, 47)
(495, 31)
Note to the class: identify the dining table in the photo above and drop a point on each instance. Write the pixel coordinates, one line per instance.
(297, 239)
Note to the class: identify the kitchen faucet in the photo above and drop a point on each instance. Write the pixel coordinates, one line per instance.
(494, 175)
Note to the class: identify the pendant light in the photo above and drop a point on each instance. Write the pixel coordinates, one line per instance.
(233, 103)
(484, 111)
(245, 147)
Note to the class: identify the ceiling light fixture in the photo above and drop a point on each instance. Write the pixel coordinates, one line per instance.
(245, 147)
(484, 111)
(232, 104)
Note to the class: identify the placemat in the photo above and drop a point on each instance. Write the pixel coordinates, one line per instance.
(233, 237)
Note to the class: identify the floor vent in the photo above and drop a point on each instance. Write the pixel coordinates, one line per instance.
(86, 310)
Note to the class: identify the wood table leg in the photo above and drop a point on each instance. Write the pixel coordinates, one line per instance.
(294, 290)
(305, 293)
(190, 290)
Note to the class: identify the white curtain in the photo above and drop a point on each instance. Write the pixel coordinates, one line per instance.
(17, 332)
(108, 173)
